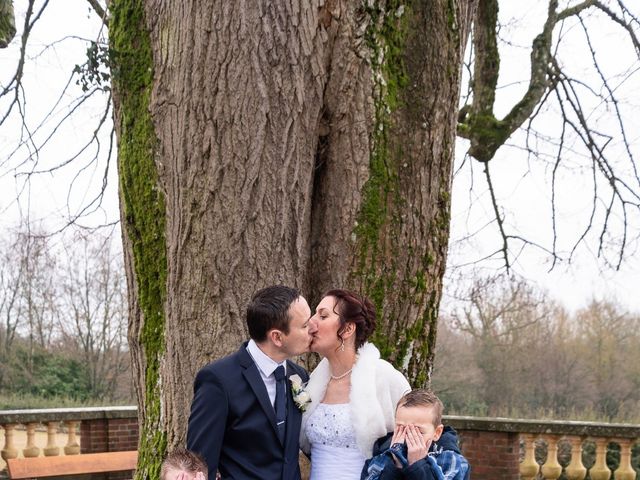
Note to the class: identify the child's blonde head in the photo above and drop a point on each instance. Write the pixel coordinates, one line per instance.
(183, 464)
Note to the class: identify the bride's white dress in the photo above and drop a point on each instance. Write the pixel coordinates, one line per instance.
(334, 452)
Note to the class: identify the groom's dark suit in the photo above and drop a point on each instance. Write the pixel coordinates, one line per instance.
(233, 423)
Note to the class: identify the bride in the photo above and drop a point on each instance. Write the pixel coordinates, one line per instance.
(353, 391)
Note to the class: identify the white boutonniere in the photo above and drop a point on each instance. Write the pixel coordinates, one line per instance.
(301, 397)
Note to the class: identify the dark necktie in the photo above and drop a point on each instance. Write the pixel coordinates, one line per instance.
(281, 401)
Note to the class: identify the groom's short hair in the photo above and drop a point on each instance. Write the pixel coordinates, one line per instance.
(269, 309)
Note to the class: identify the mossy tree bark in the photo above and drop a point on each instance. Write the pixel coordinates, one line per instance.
(7, 23)
(302, 142)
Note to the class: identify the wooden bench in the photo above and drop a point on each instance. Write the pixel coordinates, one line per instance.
(72, 464)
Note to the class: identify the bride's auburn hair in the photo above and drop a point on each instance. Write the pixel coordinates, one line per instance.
(353, 308)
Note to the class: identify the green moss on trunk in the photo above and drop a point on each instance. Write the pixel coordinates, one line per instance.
(395, 284)
(487, 135)
(385, 39)
(144, 209)
(7, 23)
(378, 254)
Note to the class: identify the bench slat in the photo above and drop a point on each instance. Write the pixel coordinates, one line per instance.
(20, 468)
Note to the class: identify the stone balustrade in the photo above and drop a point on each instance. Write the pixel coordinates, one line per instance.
(84, 430)
(508, 449)
(497, 448)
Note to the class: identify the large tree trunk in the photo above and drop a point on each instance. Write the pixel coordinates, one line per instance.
(302, 142)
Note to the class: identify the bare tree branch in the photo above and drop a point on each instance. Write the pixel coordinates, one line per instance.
(627, 25)
(575, 10)
(478, 122)
(23, 161)
(487, 133)
(499, 219)
(481, 127)
(102, 12)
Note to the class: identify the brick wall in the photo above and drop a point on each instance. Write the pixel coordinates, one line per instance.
(109, 435)
(123, 434)
(492, 455)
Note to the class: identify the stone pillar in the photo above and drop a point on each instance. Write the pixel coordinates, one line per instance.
(51, 450)
(72, 447)
(9, 450)
(31, 450)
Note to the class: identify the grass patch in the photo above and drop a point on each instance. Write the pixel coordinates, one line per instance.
(12, 401)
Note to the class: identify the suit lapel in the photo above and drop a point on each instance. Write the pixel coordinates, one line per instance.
(293, 412)
(253, 378)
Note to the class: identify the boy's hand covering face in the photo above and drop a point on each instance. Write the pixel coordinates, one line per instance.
(398, 437)
(417, 447)
(414, 426)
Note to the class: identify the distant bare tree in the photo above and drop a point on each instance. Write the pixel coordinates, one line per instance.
(94, 313)
(506, 348)
(64, 303)
(457, 378)
(27, 292)
(37, 289)
(11, 272)
(609, 342)
(555, 374)
(500, 307)
(499, 313)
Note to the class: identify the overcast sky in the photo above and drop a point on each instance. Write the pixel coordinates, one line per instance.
(522, 182)
(55, 48)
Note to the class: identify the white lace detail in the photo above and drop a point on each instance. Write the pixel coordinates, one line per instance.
(330, 424)
(334, 451)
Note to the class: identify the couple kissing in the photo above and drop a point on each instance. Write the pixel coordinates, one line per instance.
(253, 410)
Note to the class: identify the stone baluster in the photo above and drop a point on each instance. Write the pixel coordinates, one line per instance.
(576, 469)
(624, 470)
(551, 469)
(599, 470)
(529, 467)
(9, 450)
(72, 447)
(31, 450)
(51, 450)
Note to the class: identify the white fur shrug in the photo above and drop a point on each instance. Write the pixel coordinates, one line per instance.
(376, 388)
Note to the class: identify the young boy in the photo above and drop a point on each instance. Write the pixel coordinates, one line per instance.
(183, 465)
(420, 448)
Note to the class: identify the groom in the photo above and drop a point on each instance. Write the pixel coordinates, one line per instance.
(243, 419)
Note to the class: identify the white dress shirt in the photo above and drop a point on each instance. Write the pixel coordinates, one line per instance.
(266, 366)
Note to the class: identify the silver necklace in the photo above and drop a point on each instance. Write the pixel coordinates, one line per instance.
(338, 377)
